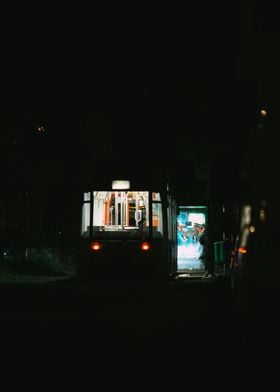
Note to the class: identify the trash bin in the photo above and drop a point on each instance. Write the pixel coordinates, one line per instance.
(220, 252)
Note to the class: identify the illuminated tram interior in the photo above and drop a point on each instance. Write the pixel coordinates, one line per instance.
(122, 214)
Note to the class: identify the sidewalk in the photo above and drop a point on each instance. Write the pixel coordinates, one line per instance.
(9, 275)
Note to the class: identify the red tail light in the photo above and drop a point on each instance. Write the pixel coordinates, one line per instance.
(96, 246)
(145, 246)
(242, 250)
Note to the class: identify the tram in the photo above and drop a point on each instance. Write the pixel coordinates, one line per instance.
(128, 231)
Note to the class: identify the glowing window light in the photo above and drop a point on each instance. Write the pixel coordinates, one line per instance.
(263, 113)
(262, 215)
(121, 184)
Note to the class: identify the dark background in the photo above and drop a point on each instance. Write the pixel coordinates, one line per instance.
(188, 79)
(172, 91)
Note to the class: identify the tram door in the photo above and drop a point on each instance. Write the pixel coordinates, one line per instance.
(187, 244)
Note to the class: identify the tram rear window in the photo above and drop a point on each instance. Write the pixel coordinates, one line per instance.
(114, 211)
(120, 214)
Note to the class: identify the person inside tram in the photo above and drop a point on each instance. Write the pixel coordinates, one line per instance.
(204, 255)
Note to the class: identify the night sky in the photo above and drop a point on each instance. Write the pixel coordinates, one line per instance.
(190, 85)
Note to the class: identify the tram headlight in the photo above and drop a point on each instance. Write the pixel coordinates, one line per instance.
(145, 246)
(95, 246)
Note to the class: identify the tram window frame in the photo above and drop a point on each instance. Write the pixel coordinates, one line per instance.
(114, 227)
(156, 200)
(154, 208)
(86, 215)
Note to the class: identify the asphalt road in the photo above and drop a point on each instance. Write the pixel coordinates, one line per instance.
(182, 323)
(181, 310)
